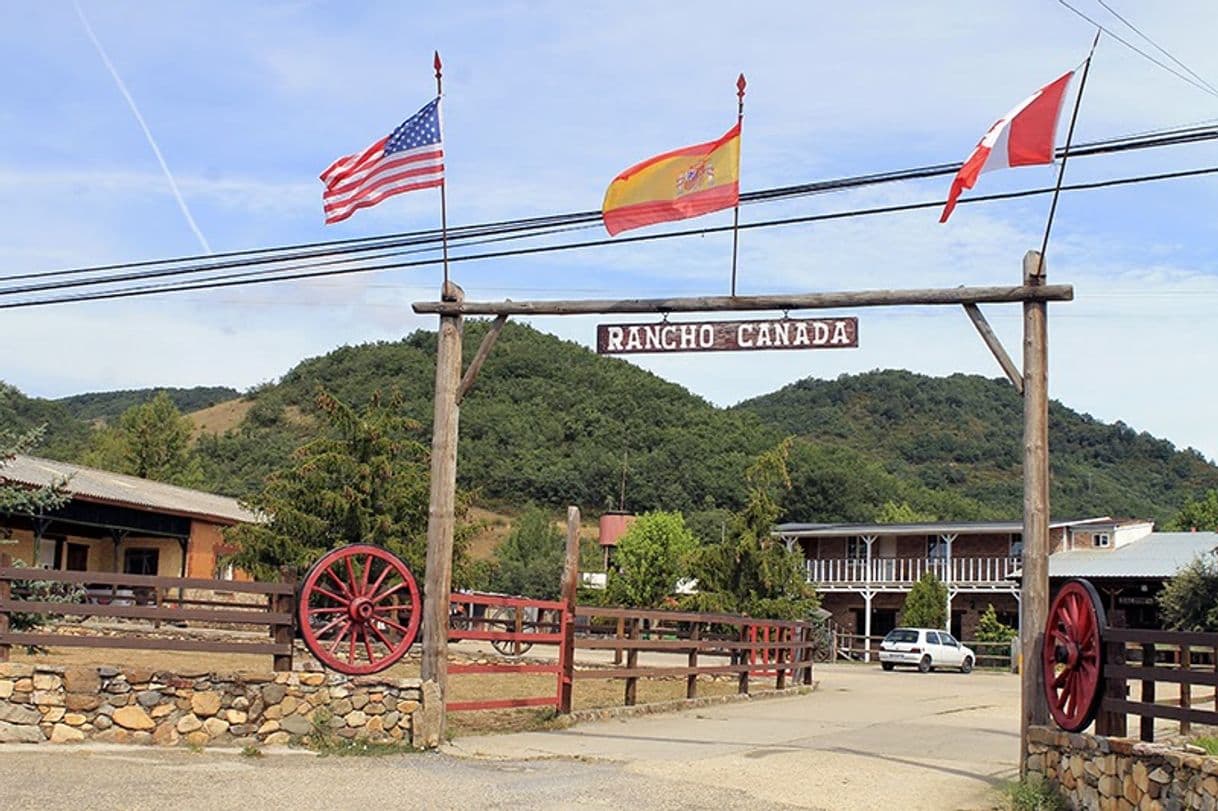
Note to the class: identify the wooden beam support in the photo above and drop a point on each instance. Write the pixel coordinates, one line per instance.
(991, 340)
(484, 350)
(437, 584)
(1034, 603)
(570, 588)
(804, 301)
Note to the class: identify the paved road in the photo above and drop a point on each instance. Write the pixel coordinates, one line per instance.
(865, 739)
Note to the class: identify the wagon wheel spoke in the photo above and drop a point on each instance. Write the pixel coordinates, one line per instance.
(338, 581)
(331, 595)
(372, 627)
(393, 590)
(338, 640)
(332, 625)
(379, 581)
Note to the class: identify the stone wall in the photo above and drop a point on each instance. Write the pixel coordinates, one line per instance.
(127, 705)
(1094, 772)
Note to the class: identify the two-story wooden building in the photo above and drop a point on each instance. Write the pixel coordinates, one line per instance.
(864, 571)
(118, 523)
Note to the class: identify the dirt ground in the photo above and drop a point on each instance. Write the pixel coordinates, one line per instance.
(589, 693)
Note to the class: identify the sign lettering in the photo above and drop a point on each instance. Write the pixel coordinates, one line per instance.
(728, 336)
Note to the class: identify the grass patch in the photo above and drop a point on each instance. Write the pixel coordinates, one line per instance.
(251, 751)
(1208, 743)
(1034, 793)
(326, 743)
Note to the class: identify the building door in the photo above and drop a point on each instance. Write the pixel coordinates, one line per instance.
(882, 622)
(141, 561)
(958, 624)
(77, 557)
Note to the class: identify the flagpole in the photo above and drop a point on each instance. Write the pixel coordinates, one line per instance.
(444, 179)
(1061, 172)
(740, 84)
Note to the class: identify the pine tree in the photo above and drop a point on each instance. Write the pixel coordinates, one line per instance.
(926, 604)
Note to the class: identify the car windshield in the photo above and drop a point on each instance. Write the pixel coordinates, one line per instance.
(902, 635)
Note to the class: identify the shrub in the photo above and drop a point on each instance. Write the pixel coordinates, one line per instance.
(926, 604)
(989, 629)
(1189, 601)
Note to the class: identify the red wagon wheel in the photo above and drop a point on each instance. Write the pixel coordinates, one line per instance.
(359, 609)
(1073, 655)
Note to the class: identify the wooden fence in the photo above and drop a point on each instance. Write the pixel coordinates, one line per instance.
(787, 653)
(859, 648)
(1177, 660)
(146, 597)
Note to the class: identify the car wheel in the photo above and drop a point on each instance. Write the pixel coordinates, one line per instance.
(886, 665)
(924, 665)
(967, 665)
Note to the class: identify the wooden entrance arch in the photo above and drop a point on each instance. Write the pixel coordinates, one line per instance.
(1034, 294)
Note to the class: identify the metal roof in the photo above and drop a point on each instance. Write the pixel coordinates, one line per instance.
(1158, 555)
(91, 484)
(921, 528)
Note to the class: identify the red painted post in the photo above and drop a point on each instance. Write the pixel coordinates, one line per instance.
(570, 587)
(744, 660)
(781, 636)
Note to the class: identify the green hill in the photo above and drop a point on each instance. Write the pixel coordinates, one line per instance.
(550, 421)
(107, 405)
(964, 434)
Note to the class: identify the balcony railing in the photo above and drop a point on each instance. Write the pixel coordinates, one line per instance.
(907, 571)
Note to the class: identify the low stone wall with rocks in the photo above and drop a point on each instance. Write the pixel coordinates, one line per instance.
(129, 705)
(1099, 773)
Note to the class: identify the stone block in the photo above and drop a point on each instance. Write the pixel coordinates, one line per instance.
(236, 717)
(296, 725)
(359, 701)
(18, 714)
(16, 670)
(390, 719)
(289, 705)
(102, 722)
(7, 687)
(81, 680)
(407, 707)
(278, 739)
(138, 675)
(205, 704)
(48, 698)
(1140, 775)
(356, 718)
(62, 733)
(133, 718)
(273, 713)
(82, 702)
(1110, 786)
(47, 681)
(313, 679)
(24, 685)
(268, 727)
(273, 694)
(20, 733)
(215, 727)
(342, 706)
(148, 698)
(162, 710)
(74, 719)
(107, 672)
(114, 735)
(198, 738)
(165, 735)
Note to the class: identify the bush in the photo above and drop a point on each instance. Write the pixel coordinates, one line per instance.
(1034, 793)
(926, 604)
(989, 629)
(1189, 601)
(650, 558)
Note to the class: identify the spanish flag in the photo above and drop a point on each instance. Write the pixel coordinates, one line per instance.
(686, 182)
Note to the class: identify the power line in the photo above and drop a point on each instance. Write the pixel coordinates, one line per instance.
(1156, 45)
(230, 281)
(1139, 51)
(366, 249)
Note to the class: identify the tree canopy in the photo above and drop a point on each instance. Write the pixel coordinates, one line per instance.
(926, 604)
(1189, 601)
(529, 562)
(364, 480)
(651, 557)
(1197, 513)
(150, 440)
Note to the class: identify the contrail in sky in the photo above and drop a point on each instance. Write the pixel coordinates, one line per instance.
(144, 126)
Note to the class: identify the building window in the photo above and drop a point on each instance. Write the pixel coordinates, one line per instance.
(936, 548)
(1100, 539)
(856, 549)
(77, 557)
(141, 561)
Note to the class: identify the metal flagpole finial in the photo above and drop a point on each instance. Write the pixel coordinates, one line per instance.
(439, 66)
(740, 85)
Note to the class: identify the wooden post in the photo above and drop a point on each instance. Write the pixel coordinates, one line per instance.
(1186, 689)
(570, 588)
(1147, 731)
(1107, 722)
(810, 654)
(517, 627)
(283, 634)
(437, 584)
(781, 638)
(6, 592)
(1034, 604)
(621, 632)
(691, 681)
(632, 661)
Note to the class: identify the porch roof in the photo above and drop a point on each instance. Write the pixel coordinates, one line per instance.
(102, 486)
(920, 528)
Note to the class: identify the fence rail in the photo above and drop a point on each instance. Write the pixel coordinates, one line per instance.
(155, 604)
(1183, 660)
(783, 649)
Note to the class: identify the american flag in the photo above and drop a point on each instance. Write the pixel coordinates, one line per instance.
(409, 158)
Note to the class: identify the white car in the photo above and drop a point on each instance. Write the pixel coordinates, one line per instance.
(925, 649)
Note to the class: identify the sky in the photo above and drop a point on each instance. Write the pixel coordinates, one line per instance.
(544, 104)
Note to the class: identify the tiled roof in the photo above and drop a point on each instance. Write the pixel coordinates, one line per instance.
(1160, 554)
(91, 484)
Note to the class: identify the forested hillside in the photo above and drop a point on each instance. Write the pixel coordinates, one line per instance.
(551, 422)
(964, 433)
(107, 405)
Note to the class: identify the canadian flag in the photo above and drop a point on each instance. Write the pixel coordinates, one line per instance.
(1023, 137)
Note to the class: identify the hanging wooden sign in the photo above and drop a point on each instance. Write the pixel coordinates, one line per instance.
(727, 336)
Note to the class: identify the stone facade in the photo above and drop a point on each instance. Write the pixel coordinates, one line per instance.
(127, 705)
(1122, 774)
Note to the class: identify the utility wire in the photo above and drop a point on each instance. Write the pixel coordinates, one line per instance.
(1200, 86)
(376, 248)
(1157, 46)
(223, 281)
